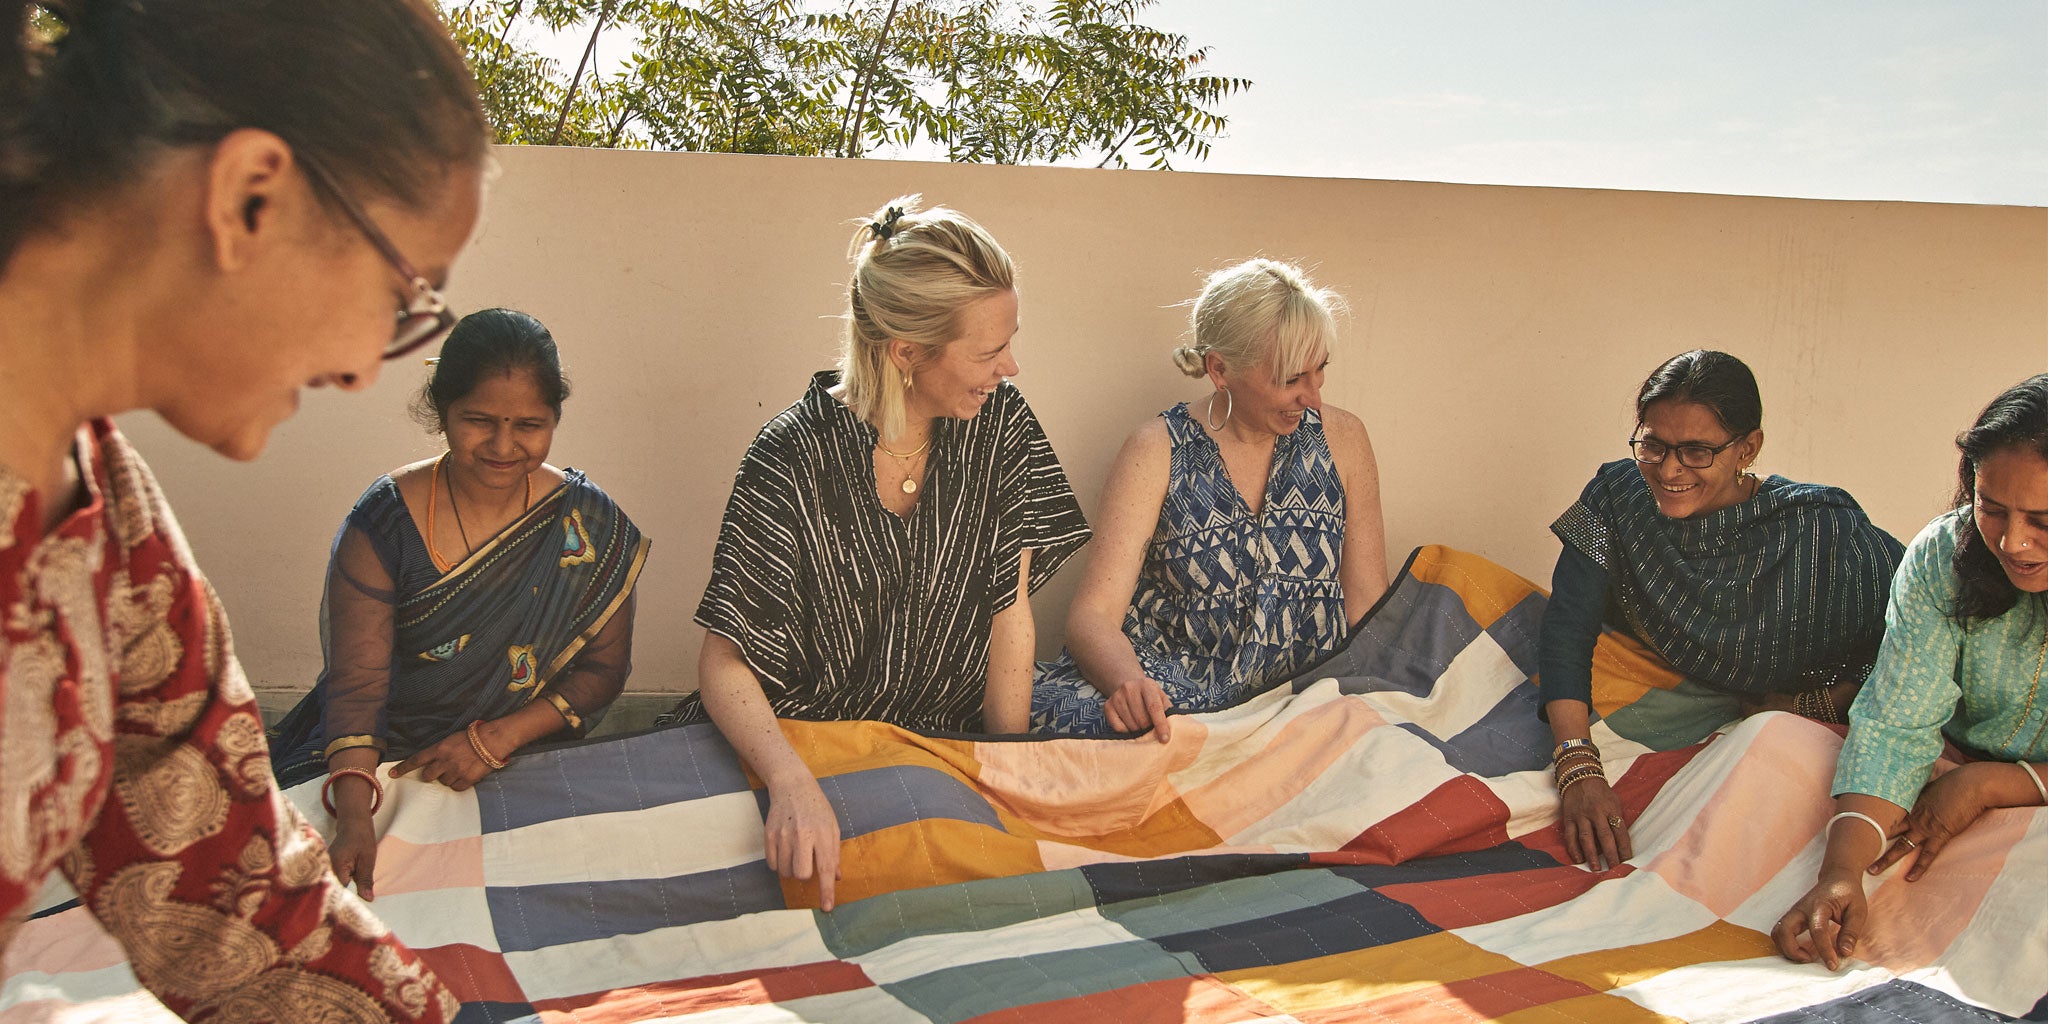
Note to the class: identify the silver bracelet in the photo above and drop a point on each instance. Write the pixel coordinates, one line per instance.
(1884, 838)
(2036, 776)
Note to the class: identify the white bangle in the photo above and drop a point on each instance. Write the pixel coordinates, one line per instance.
(2036, 776)
(1884, 838)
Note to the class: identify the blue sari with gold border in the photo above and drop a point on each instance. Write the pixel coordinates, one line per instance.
(413, 654)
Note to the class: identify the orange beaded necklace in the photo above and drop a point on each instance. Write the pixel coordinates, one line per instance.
(433, 492)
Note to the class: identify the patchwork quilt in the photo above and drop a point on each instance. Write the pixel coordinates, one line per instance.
(1374, 841)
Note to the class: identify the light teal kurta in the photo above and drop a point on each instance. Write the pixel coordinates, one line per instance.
(1980, 687)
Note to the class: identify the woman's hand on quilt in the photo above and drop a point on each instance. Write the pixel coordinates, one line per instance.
(1589, 819)
(803, 834)
(353, 853)
(452, 763)
(1947, 806)
(1826, 923)
(1139, 704)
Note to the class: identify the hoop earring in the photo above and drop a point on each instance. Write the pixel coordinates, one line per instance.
(908, 382)
(1230, 406)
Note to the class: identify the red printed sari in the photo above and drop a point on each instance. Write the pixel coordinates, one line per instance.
(133, 760)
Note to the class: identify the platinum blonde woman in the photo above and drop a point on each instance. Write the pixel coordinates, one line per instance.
(1241, 534)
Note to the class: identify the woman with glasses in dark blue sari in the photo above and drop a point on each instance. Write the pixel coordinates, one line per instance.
(1762, 593)
(476, 602)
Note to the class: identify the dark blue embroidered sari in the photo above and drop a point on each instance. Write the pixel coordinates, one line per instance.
(1781, 593)
(414, 655)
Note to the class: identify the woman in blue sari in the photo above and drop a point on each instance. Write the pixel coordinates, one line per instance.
(476, 602)
(1764, 593)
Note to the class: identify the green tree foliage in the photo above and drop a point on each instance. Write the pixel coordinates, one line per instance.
(979, 80)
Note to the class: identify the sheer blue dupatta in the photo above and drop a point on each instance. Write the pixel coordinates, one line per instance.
(497, 631)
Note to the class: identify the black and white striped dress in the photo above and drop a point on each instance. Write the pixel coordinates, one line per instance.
(845, 610)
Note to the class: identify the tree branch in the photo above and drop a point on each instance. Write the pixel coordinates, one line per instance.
(863, 83)
(589, 51)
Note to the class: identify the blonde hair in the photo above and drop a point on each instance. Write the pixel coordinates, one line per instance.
(913, 273)
(1260, 313)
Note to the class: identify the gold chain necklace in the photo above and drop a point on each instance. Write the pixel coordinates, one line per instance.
(913, 453)
(909, 485)
(2039, 660)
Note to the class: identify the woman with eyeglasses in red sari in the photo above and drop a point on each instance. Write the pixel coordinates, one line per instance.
(205, 207)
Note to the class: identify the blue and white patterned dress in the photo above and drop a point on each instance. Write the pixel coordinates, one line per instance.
(1227, 603)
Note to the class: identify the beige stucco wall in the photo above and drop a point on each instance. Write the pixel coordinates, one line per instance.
(1495, 341)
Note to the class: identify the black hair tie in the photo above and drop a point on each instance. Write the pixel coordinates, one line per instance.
(885, 228)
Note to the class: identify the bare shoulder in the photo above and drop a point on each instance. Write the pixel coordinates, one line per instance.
(1138, 476)
(550, 475)
(1345, 430)
(1149, 440)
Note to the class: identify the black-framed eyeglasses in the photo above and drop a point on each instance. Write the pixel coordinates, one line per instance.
(425, 319)
(1691, 456)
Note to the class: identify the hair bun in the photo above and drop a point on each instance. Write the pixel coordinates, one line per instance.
(879, 227)
(1188, 359)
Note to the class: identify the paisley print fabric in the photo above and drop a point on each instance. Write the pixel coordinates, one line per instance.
(132, 759)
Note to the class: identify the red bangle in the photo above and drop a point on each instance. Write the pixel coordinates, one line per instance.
(476, 743)
(376, 788)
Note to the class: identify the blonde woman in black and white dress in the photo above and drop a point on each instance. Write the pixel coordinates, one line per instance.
(885, 532)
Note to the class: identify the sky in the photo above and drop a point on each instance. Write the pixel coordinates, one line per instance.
(1934, 101)
(1938, 100)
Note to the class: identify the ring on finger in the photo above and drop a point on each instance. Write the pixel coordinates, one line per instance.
(1615, 821)
(1908, 843)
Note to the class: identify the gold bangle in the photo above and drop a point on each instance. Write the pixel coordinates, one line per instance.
(569, 715)
(1818, 704)
(1570, 745)
(1567, 778)
(476, 743)
(341, 743)
(1577, 755)
(1574, 780)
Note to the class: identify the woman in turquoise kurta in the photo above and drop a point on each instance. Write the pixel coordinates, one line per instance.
(1965, 643)
(1241, 534)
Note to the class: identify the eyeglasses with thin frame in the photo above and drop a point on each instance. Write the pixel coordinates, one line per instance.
(1691, 456)
(426, 318)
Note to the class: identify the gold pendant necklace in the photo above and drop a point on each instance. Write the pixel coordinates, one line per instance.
(909, 484)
